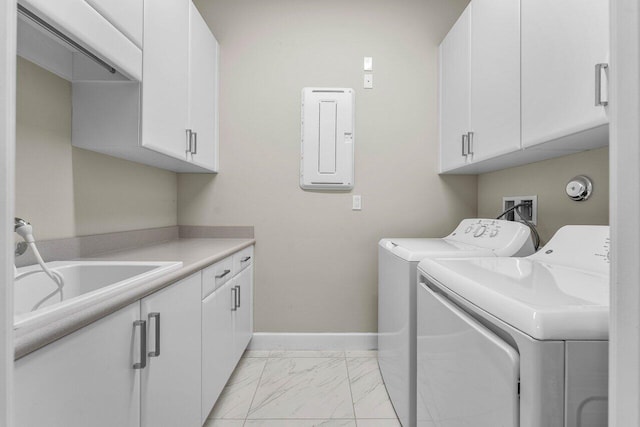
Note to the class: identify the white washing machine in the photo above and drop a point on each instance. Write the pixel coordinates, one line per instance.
(516, 341)
(397, 266)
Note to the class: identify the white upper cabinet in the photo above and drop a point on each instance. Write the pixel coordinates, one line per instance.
(480, 84)
(455, 92)
(165, 84)
(562, 41)
(495, 78)
(203, 93)
(170, 119)
(523, 81)
(125, 15)
(107, 29)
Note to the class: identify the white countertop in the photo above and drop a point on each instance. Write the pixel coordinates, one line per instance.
(195, 254)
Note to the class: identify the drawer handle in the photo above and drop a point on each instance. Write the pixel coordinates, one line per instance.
(238, 303)
(245, 259)
(223, 274)
(143, 343)
(156, 316)
(234, 299)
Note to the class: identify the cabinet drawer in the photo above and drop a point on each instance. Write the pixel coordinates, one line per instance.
(242, 260)
(216, 275)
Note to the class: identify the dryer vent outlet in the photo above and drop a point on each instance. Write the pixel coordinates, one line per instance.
(529, 211)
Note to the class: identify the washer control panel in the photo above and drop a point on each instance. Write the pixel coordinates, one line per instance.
(481, 228)
(492, 233)
(581, 246)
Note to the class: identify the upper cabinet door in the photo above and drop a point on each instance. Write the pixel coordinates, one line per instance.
(203, 93)
(455, 92)
(562, 41)
(165, 77)
(125, 15)
(495, 78)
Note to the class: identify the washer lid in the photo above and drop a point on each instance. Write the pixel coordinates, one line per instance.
(419, 249)
(545, 301)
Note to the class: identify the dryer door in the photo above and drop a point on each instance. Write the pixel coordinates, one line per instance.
(466, 374)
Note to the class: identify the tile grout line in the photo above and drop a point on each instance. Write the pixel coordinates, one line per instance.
(353, 404)
(256, 390)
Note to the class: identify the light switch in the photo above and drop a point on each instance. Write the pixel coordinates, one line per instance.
(368, 81)
(368, 63)
(357, 202)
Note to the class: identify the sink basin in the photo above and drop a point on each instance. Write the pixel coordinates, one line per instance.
(37, 295)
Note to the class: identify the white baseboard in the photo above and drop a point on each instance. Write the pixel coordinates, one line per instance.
(313, 341)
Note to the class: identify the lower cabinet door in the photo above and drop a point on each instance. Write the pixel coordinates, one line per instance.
(244, 313)
(86, 378)
(217, 344)
(171, 387)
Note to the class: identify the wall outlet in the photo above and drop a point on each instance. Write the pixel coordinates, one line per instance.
(530, 211)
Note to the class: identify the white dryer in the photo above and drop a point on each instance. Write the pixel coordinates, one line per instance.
(397, 265)
(516, 341)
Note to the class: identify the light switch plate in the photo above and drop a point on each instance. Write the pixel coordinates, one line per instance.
(357, 202)
(368, 63)
(368, 81)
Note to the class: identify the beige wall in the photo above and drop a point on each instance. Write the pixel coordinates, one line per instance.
(547, 180)
(65, 191)
(316, 258)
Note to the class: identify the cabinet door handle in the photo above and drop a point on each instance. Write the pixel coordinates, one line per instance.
(155, 316)
(188, 135)
(465, 149)
(143, 343)
(599, 101)
(470, 143)
(238, 303)
(220, 276)
(195, 143)
(234, 299)
(245, 259)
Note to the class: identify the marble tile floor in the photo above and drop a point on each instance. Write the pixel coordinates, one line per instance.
(305, 389)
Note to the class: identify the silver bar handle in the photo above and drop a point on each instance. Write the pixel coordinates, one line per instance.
(143, 343)
(245, 259)
(188, 133)
(599, 68)
(238, 303)
(465, 149)
(195, 143)
(155, 316)
(220, 276)
(470, 143)
(234, 299)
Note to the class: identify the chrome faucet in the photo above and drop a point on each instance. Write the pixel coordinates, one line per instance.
(19, 226)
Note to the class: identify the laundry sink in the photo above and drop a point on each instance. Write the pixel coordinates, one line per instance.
(37, 295)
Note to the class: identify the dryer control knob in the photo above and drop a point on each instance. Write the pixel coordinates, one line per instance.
(494, 233)
(480, 231)
(468, 229)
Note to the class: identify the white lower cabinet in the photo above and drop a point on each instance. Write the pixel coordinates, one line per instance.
(85, 378)
(170, 382)
(218, 351)
(243, 315)
(161, 361)
(227, 327)
(107, 374)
